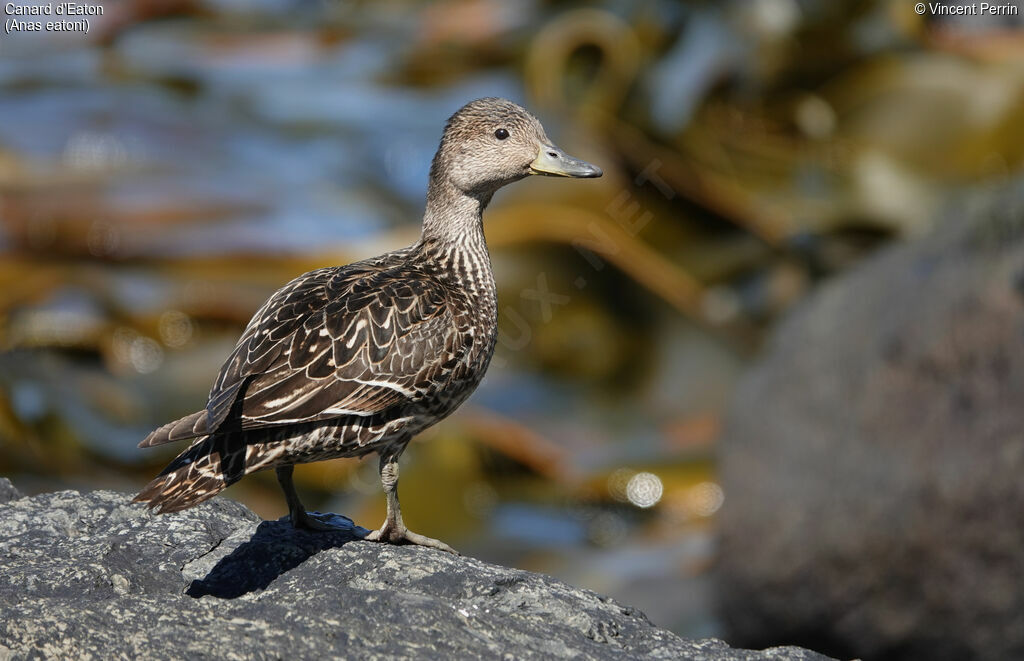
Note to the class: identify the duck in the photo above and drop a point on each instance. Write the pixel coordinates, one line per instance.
(346, 361)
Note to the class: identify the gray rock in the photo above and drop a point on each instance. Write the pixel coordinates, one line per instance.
(92, 575)
(7, 491)
(872, 460)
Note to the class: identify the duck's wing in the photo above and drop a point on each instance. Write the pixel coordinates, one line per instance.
(335, 342)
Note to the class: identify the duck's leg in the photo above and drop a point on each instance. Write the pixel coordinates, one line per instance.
(298, 514)
(394, 530)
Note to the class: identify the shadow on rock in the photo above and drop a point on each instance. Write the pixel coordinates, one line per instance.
(274, 549)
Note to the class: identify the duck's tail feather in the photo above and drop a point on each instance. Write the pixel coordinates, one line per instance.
(191, 426)
(194, 476)
(205, 469)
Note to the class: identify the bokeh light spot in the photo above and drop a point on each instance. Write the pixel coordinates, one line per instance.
(146, 355)
(617, 483)
(704, 499)
(644, 490)
(142, 353)
(175, 328)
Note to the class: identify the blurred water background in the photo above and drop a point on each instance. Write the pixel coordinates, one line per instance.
(161, 175)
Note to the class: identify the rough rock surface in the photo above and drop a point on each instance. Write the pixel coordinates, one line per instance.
(94, 576)
(873, 460)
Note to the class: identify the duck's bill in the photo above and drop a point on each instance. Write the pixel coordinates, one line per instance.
(553, 162)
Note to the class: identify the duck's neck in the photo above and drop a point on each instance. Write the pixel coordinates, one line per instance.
(453, 244)
(453, 219)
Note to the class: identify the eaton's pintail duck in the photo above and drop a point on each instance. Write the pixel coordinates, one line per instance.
(349, 360)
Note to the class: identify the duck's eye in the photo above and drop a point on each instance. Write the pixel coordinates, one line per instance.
(501, 134)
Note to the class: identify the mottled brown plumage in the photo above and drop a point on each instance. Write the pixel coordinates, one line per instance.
(344, 361)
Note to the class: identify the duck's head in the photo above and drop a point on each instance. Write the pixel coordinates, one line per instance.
(492, 142)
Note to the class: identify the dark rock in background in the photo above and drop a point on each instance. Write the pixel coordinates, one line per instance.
(7, 491)
(873, 463)
(94, 576)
